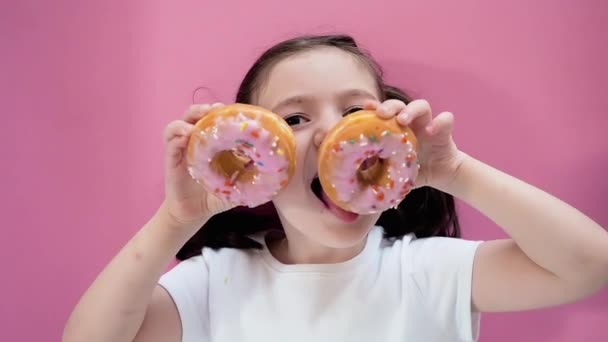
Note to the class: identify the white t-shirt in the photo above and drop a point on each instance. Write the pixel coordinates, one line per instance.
(403, 289)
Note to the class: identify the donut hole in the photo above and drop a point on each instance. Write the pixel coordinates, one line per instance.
(233, 164)
(242, 158)
(370, 170)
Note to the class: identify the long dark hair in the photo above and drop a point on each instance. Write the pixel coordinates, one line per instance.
(424, 211)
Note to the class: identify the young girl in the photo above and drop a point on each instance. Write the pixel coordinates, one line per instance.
(297, 269)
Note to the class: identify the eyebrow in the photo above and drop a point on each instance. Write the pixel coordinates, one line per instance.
(298, 99)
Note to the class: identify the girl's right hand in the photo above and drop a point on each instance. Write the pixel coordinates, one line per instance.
(186, 202)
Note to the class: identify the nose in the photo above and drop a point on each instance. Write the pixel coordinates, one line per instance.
(318, 138)
(327, 122)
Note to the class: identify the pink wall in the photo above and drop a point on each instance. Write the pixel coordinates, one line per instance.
(87, 87)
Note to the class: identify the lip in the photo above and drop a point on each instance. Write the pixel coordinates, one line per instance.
(313, 184)
(324, 201)
(312, 159)
(310, 172)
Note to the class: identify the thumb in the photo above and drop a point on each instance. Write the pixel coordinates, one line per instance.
(441, 127)
(176, 139)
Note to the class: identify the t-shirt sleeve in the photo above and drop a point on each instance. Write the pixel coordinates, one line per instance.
(442, 269)
(187, 284)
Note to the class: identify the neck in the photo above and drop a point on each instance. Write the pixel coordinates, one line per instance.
(297, 249)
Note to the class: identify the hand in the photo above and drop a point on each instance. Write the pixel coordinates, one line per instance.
(186, 202)
(438, 155)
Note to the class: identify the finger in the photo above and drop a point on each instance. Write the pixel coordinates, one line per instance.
(175, 150)
(177, 128)
(390, 108)
(404, 118)
(417, 114)
(195, 112)
(441, 125)
(371, 104)
(217, 105)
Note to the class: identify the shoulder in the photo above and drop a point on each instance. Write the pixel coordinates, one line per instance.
(424, 254)
(197, 269)
(246, 262)
(437, 273)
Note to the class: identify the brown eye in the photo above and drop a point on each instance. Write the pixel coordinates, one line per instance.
(295, 119)
(352, 109)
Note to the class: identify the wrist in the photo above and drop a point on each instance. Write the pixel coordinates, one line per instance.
(458, 183)
(170, 222)
(161, 237)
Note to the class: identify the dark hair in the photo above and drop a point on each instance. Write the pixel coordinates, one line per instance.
(425, 211)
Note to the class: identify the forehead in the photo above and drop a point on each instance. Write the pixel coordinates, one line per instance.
(320, 73)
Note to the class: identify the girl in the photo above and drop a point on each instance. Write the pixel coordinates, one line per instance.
(298, 269)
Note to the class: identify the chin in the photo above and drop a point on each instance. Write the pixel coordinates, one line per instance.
(307, 212)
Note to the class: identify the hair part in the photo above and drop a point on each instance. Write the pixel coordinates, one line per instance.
(424, 212)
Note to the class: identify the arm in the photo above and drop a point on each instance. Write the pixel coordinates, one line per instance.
(126, 291)
(125, 302)
(162, 321)
(556, 254)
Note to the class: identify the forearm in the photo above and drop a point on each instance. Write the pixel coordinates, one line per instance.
(551, 233)
(113, 308)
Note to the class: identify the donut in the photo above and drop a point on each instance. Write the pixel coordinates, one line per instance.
(368, 164)
(242, 153)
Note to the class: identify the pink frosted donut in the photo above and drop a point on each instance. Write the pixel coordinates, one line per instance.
(368, 164)
(242, 153)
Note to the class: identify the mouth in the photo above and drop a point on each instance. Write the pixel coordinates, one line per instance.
(316, 188)
(340, 213)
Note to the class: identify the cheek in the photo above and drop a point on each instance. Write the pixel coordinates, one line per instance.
(303, 144)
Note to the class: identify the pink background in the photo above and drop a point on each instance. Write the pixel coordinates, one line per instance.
(88, 86)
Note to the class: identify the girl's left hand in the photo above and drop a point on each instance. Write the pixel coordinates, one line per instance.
(438, 156)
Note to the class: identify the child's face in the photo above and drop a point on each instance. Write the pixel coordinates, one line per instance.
(313, 91)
